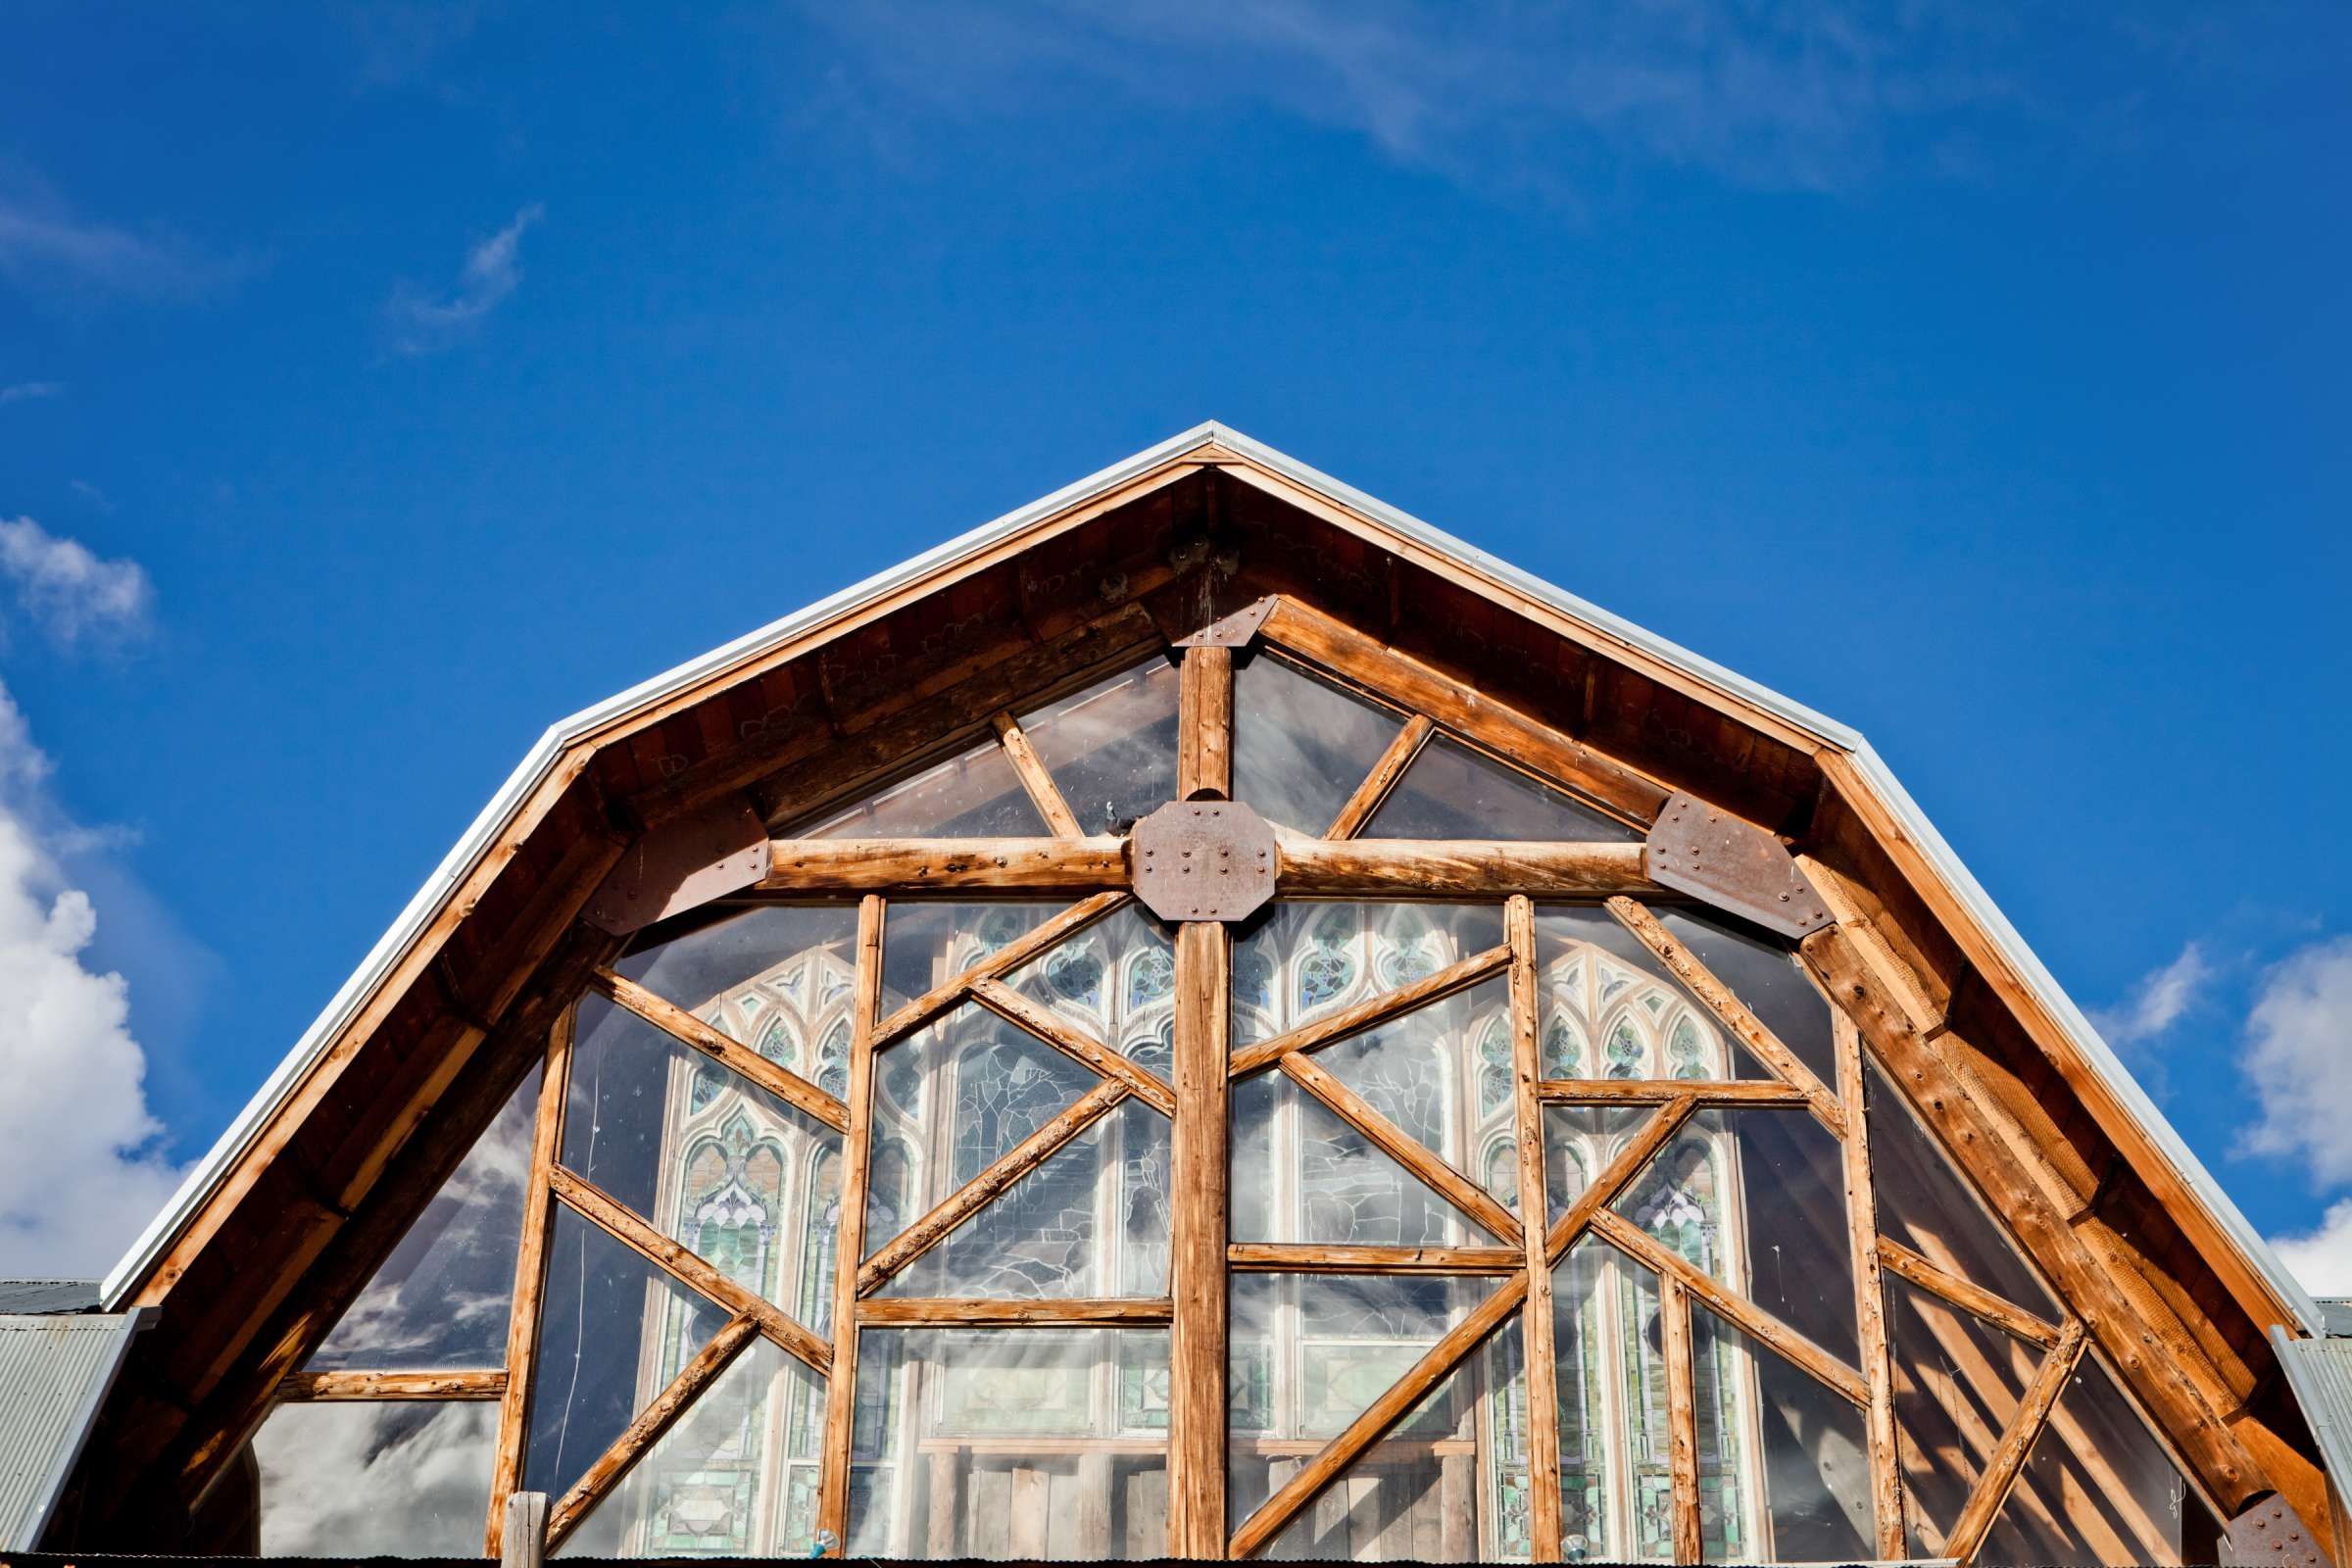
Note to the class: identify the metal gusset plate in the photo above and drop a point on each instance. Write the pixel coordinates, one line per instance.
(2271, 1532)
(1234, 630)
(680, 864)
(1202, 861)
(1733, 865)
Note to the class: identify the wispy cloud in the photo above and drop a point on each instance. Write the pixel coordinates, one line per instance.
(48, 248)
(2298, 1061)
(424, 324)
(1815, 95)
(28, 391)
(2321, 1257)
(2157, 1001)
(70, 592)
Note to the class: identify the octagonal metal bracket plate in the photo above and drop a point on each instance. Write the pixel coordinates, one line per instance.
(1202, 861)
(1733, 865)
(680, 864)
(2271, 1532)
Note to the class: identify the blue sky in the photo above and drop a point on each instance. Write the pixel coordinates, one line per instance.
(380, 383)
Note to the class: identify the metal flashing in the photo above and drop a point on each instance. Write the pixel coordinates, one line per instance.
(55, 1370)
(543, 758)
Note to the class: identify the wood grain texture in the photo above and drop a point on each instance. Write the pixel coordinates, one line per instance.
(946, 865)
(1623, 1167)
(1035, 776)
(1454, 869)
(1677, 1347)
(2008, 1456)
(1101, 1311)
(1453, 1185)
(1011, 955)
(1204, 725)
(377, 1386)
(1198, 1204)
(1731, 1012)
(1386, 771)
(1361, 1015)
(616, 1220)
(1870, 1300)
(729, 1053)
(1659, 1091)
(1049, 1026)
(977, 1194)
(1334, 1456)
(1536, 1318)
(647, 1426)
(1319, 1257)
(1969, 1296)
(530, 1280)
(857, 1157)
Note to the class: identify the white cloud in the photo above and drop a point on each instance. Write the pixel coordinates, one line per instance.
(27, 391)
(80, 1167)
(2157, 1000)
(2323, 1258)
(493, 269)
(46, 247)
(68, 590)
(2298, 1061)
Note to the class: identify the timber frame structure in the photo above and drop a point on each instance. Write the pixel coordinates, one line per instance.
(1206, 552)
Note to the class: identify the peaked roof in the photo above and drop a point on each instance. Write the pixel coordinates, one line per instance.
(1408, 533)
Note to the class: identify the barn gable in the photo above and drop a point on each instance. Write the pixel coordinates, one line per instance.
(1515, 908)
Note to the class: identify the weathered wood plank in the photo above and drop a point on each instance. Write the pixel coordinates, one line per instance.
(857, 1155)
(379, 1385)
(1676, 1344)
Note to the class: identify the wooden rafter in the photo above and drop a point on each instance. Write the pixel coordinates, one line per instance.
(1035, 777)
(1048, 1026)
(982, 1190)
(849, 1247)
(647, 1426)
(1536, 1319)
(1731, 1012)
(729, 1053)
(1870, 1299)
(1372, 1010)
(1401, 749)
(616, 1220)
(1433, 1172)
(530, 1279)
(2017, 1441)
(1006, 958)
(378, 1386)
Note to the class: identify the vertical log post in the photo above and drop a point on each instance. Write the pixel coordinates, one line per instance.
(523, 1544)
(1542, 1384)
(1870, 1297)
(841, 1386)
(1682, 1414)
(1196, 1245)
(530, 1281)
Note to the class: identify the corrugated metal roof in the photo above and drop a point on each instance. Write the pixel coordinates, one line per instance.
(478, 839)
(48, 1296)
(2319, 1373)
(54, 1373)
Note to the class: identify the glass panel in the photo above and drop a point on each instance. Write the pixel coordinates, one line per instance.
(1585, 1351)
(1034, 1444)
(1757, 1199)
(926, 945)
(1443, 1074)
(1929, 1207)
(1788, 1459)
(1111, 748)
(1302, 745)
(707, 1158)
(440, 1299)
(1115, 981)
(409, 1479)
(948, 1101)
(1451, 792)
(1308, 1353)
(613, 1330)
(2098, 1487)
(1300, 1174)
(776, 978)
(972, 795)
(1610, 1010)
(736, 1477)
(1957, 1381)
(1304, 959)
(1579, 1142)
(1762, 972)
(1040, 1238)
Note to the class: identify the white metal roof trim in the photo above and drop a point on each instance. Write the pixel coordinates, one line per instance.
(534, 768)
(54, 1373)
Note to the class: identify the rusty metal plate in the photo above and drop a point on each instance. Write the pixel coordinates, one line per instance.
(679, 864)
(1234, 630)
(2271, 1532)
(1733, 865)
(1202, 861)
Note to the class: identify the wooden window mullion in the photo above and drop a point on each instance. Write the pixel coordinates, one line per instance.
(1675, 1342)
(2009, 1455)
(840, 1387)
(1870, 1297)
(1536, 1317)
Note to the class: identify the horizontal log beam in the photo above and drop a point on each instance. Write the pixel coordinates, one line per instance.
(1103, 1311)
(1312, 1257)
(379, 1385)
(926, 865)
(1663, 1090)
